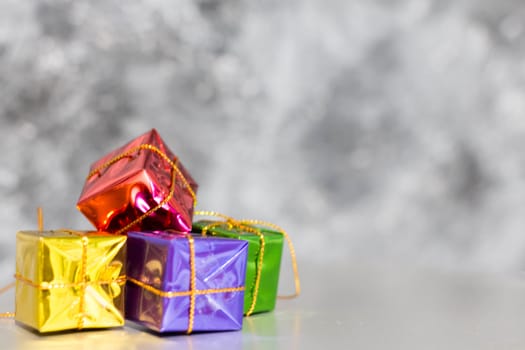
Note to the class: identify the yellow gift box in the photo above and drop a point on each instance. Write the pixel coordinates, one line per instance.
(69, 280)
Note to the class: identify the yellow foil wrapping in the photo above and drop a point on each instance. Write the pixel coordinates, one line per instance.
(69, 280)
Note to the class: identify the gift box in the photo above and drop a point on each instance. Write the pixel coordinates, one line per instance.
(139, 186)
(185, 283)
(262, 280)
(69, 280)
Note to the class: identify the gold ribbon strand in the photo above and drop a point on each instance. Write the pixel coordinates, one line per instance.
(186, 293)
(193, 284)
(175, 171)
(291, 248)
(48, 286)
(247, 225)
(82, 302)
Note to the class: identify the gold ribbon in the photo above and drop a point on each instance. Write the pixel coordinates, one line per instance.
(82, 302)
(175, 171)
(247, 226)
(193, 284)
(55, 285)
(83, 285)
(192, 292)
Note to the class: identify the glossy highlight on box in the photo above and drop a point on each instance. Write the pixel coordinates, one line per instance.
(69, 280)
(139, 186)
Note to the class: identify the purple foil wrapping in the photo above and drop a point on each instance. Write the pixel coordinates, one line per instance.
(162, 261)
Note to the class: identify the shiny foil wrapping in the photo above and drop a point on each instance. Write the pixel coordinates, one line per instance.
(162, 261)
(69, 280)
(271, 264)
(123, 191)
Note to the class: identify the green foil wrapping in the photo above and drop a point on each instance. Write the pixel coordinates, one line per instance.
(271, 263)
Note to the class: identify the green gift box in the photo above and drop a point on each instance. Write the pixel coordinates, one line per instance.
(260, 293)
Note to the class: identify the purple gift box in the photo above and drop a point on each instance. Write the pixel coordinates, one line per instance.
(185, 282)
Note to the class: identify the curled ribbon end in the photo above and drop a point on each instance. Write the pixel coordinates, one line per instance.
(3, 290)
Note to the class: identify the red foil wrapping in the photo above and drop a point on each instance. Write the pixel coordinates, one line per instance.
(130, 181)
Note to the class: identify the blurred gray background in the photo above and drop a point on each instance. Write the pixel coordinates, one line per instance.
(378, 130)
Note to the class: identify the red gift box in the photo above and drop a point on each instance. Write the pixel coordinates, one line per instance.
(139, 186)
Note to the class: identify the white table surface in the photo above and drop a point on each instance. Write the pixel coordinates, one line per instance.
(358, 306)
